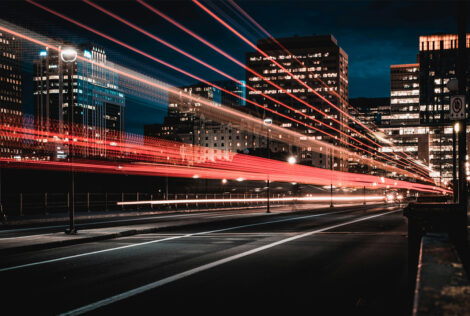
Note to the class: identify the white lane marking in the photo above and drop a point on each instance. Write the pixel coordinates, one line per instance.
(161, 240)
(175, 277)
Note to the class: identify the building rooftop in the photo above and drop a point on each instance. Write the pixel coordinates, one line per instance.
(298, 42)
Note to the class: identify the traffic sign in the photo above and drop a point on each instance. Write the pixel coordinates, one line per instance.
(457, 107)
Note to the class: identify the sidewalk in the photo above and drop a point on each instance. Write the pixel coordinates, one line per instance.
(12, 245)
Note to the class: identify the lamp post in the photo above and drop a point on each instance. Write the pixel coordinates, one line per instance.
(268, 122)
(69, 56)
(331, 183)
(462, 83)
(458, 104)
(455, 188)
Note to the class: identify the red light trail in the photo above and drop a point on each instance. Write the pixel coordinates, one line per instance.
(161, 157)
(236, 6)
(220, 72)
(186, 30)
(229, 112)
(287, 71)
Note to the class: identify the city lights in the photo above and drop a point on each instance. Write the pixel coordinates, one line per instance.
(344, 199)
(68, 55)
(169, 144)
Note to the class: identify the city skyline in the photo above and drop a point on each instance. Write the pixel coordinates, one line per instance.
(216, 156)
(385, 39)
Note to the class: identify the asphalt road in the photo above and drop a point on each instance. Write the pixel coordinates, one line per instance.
(319, 263)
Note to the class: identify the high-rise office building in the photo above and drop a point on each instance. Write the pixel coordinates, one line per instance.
(324, 68)
(438, 62)
(438, 55)
(420, 102)
(70, 89)
(11, 103)
(404, 95)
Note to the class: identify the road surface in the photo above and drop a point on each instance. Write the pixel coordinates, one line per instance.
(341, 262)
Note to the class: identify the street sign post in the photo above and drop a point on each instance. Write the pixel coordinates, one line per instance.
(457, 107)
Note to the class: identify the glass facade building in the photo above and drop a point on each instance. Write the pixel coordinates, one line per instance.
(77, 91)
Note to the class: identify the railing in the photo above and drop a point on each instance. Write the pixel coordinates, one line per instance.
(27, 204)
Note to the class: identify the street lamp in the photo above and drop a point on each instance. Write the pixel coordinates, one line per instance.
(268, 122)
(331, 183)
(291, 160)
(69, 56)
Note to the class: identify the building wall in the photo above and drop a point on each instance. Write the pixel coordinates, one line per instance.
(11, 104)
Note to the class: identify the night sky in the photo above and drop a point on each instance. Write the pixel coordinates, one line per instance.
(375, 34)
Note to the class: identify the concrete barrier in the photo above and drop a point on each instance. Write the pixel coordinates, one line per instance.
(442, 285)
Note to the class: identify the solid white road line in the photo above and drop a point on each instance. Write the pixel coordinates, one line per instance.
(161, 240)
(153, 285)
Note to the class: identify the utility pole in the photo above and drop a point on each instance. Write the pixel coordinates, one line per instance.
(331, 177)
(455, 185)
(69, 56)
(268, 122)
(462, 83)
(364, 194)
(268, 183)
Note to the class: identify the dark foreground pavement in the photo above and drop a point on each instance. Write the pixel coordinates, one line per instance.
(348, 262)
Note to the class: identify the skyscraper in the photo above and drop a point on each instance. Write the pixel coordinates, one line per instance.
(11, 103)
(438, 59)
(69, 89)
(420, 102)
(324, 68)
(404, 94)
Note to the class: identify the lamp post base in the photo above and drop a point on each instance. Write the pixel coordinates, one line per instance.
(71, 231)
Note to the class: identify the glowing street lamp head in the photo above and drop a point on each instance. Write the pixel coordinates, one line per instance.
(240, 179)
(224, 181)
(291, 160)
(196, 176)
(68, 55)
(457, 127)
(268, 121)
